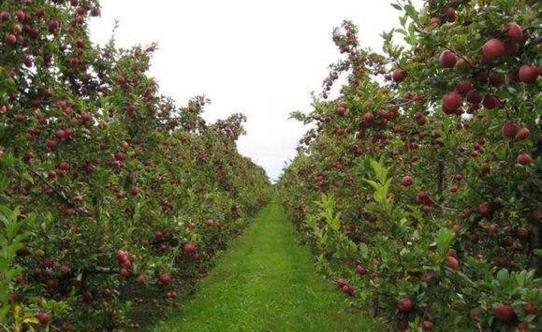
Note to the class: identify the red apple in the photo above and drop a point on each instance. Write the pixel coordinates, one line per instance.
(427, 325)
(509, 130)
(493, 49)
(189, 248)
(484, 209)
(491, 102)
(514, 31)
(407, 181)
(53, 25)
(43, 317)
(524, 159)
(474, 97)
(361, 270)
(464, 87)
(368, 117)
(402, 325)
(447, 59)
(527, 73)
(165, 278)
(529, 308)
(452, 262)
(10, 38)
(405, 305)
(504, 312)
(523, 134)
(348, 290)
(451, 102)
(399, 75)
(64, 166)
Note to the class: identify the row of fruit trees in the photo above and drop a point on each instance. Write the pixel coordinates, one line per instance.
(419, 187)
(112, 199)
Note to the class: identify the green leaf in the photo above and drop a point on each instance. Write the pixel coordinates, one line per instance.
(364, 250)
(444, 240)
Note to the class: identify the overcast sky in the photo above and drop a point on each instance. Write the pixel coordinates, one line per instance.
(261, 58)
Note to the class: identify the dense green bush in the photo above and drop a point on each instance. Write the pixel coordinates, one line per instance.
(121, 195)
(443, 231)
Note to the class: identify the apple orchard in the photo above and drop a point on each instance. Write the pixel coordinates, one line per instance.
(418, 187)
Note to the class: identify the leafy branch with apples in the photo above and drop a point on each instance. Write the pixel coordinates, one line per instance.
(446, 225)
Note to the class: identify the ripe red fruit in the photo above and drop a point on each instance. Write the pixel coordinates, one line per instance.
(399, 75)
(493, 49)
(452, 262)
(529, 308)
(423, 198)
(527, 73)
(106, 293)
(447, 59)
(451, 102)
(524, 159)
(21, 15)
(119, 156)
(514, 31)
(51, 174)
(504, 312)
(474, 97)
(407, 181)
(4, 16)
(52, 144)
(61, 134)
(43, 317)
(509, 129)
(523, 134)
(341, 109)
(53, 25)
(122, 256)
(124, 272)
(361, 270)
(165, 278)
(420, 118)
(496, 79)
(133, 190)
(484, 209)
(491, 102)
(405, 305)
(450, 14)
(402, 325)
(189, 248)
(348, 290)
(10, 38)
(86, 117)
(368, 117)
(64, 166)
(427, 325)
(464, 86)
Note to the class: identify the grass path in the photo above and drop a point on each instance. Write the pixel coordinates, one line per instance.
(267, 282)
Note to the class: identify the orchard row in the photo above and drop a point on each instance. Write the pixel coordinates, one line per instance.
(112, 199)
(419, 186)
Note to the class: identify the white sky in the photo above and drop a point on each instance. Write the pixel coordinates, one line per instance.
(261, 58)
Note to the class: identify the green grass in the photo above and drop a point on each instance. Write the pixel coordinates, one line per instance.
(267, 282)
